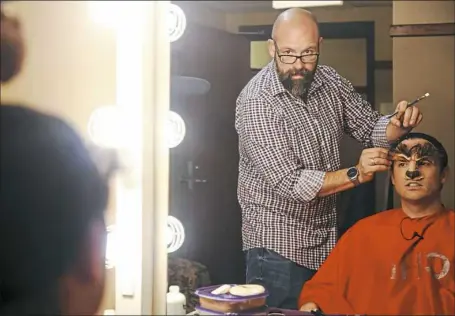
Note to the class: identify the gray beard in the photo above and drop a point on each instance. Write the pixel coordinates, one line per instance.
(298, 88)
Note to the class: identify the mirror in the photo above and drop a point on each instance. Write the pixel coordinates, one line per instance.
(211, 57)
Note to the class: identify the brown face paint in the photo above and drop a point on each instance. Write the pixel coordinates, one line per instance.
(415, 157)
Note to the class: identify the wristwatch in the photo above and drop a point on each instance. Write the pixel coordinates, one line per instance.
(353, 175)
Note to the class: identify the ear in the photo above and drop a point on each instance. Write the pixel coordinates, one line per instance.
(271, 48)
(90, 266)
(391, 176)
(82, 287)
(444, 175)
(320, 43)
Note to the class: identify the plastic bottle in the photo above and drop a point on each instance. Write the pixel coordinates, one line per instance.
(175, 301)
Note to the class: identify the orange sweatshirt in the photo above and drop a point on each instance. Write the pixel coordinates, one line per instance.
(374, 270)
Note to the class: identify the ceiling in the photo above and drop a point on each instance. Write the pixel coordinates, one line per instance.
(251, 6)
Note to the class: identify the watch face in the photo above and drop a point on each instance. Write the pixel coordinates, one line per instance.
(352, 172)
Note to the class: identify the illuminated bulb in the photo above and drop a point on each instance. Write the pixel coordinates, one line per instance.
(304, 4)
(103, 126)
(176, 22)
(113, 127)
(111, 248)
(116, 14)
(106, 13)
(175, 129)
(175, 234)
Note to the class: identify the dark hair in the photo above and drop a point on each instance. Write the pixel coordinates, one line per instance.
(443, 158)
(51, 191)
(12, 47)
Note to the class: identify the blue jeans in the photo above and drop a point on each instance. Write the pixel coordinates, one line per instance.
(283, 278)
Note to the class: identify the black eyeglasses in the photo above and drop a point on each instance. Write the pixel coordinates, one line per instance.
(291, 59)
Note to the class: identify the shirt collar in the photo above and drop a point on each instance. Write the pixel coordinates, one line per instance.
(277, 87)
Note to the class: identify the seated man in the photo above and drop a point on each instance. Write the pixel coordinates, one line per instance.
(400, 261)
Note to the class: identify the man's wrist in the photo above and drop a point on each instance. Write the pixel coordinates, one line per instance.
(353, 175)
(393, 133)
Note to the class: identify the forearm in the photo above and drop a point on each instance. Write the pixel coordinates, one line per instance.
(379, 136)
(306, 185)
(310, 184)
(335, 182)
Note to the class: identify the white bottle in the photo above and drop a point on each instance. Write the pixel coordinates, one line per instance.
(175, 301)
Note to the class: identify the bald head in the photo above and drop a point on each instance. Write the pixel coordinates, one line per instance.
(295, 47)
(295, 18)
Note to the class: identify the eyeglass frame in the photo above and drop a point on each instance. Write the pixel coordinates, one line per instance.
(277, 52)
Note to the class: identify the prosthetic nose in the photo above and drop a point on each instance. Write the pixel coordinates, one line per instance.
(413, 172)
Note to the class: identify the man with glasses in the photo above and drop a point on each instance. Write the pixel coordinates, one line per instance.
(290, 119)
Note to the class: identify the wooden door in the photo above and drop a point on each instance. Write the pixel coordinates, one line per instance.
(208, 156)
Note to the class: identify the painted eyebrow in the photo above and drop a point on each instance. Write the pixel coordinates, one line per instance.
(401, 157)
(426, 158)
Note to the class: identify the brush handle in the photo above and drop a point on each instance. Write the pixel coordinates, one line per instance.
(409, 104)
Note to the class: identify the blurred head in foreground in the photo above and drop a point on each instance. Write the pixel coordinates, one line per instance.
(52, 232)
(52, 203)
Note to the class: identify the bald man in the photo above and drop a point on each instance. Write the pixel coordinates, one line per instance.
(290, 119)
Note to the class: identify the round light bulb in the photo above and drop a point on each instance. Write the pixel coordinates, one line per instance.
(111, 247)
(169, 236)
(176, 22)
(175, 129)
(175, 234)
(117, 14)
(104, 126)
(114, 127)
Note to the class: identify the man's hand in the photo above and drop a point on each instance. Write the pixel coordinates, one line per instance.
(404, 121)
(406, 117)
(308, 307)
(373, 160)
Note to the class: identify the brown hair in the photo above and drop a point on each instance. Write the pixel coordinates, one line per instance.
(12, 47)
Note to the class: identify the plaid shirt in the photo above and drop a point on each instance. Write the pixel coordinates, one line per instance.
(286, 147)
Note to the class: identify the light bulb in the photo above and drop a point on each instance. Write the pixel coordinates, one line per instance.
(116, 14)
(304, 4)
(103, 126)
(169, 236)
(175, 129)
(176, 22)
(113, 127)
(175, 234)
(111, 247)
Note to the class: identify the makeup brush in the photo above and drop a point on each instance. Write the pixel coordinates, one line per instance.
(426, 95)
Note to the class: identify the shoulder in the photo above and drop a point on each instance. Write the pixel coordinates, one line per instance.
(256, 97)
(450, 216)
(331, 77)
(378, 220)
(259, 87)
(328, 74)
